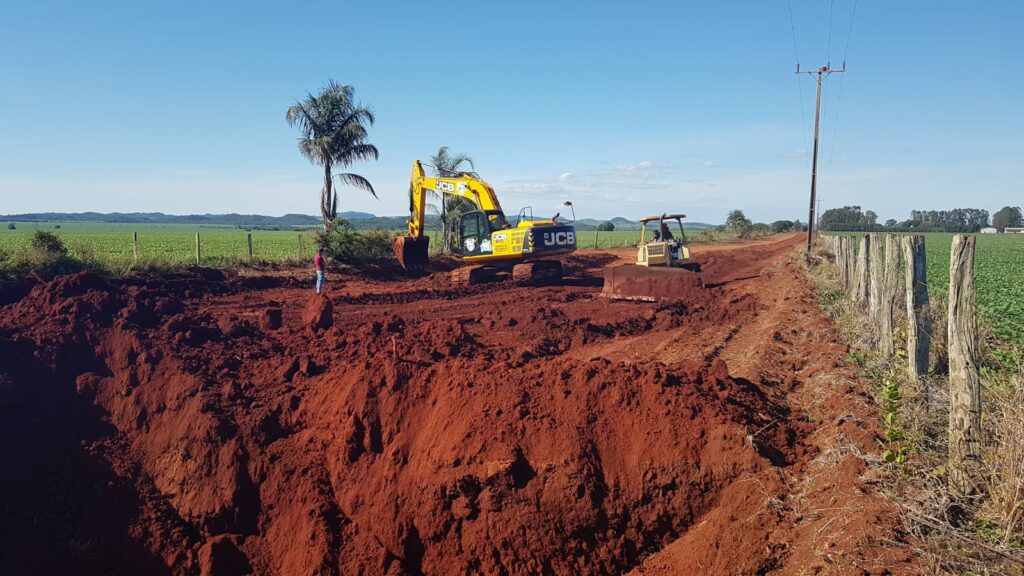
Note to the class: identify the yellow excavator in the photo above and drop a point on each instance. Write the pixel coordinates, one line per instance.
(486, 241)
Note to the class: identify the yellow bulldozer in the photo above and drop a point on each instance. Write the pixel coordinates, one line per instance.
(663, 269)
(487, 242)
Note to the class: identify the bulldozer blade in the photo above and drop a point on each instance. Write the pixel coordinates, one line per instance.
(411, 252)
(649, 284)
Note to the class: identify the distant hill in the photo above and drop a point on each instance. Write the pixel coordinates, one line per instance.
(350, 215)
(631, 225)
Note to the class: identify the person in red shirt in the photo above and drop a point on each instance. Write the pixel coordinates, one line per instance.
(318, 265)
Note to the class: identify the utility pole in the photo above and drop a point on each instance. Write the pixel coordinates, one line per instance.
(822, 73)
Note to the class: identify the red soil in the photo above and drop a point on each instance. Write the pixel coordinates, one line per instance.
(196, 424)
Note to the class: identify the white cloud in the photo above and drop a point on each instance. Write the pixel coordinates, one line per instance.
(643, 168)
(709, 164)
(565, 177)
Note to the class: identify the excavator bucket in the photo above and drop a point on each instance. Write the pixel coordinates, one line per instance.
(411, 252)
(650, 284)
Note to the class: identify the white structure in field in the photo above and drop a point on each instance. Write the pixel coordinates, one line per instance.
(1009, 230)
(989, 231)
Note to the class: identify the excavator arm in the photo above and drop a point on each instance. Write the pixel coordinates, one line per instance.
(466, 186)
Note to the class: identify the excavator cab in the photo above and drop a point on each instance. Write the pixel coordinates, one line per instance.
(475, 234)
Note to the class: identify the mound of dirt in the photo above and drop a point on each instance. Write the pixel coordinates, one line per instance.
(319, 313)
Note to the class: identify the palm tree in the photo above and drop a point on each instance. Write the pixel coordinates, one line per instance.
(452, 207)
(334, 133)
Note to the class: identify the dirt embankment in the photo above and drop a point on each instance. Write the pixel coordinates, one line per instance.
(195, 424)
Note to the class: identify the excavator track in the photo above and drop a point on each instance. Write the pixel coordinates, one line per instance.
(474, 274)
(537, 273)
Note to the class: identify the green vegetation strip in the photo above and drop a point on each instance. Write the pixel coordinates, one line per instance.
(175, 243)
(111, 244)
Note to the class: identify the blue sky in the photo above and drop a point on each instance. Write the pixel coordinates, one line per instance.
(626, 108)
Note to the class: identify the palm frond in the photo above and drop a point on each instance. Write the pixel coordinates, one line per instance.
(355, 152)
(460, 159)
(314, 150)
(448, 164)
(356, 181)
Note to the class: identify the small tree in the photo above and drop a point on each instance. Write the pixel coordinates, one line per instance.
(605, 226)
(738, 223)
(11, 226)
(1007, 216)
(48, 244)
(341, 241)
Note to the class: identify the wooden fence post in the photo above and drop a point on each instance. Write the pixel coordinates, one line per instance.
(964, 382)
(597, 234)
(299, 253)
(197, 249)
(842, 261)
(844, 271)
(875, 274)
(248, 241)
(861, 282)
(135, 246)
(851, 263)
(890, 285)
(918, 328)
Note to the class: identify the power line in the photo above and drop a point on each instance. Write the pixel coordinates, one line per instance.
(849, 33)
(839, 96)
(799, 85)
(792, 27)
(828, 49)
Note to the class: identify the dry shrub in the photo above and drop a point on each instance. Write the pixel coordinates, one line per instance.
(1004, 459)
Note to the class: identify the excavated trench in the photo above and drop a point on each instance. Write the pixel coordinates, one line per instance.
(197, 424)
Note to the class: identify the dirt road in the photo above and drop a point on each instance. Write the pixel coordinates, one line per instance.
(172, 425)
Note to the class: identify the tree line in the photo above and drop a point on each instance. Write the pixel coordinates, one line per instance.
(958, 220)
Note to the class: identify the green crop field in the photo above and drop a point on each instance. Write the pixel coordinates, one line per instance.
(999, 275)
(169, 243)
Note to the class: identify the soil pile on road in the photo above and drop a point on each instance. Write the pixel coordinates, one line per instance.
(194, 424)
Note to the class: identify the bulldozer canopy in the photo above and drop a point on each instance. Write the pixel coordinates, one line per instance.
(647, 219)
